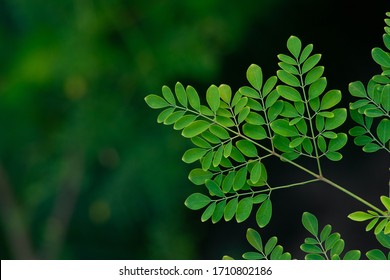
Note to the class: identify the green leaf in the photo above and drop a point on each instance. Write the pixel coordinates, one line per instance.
(289, 68)
(168, 95)
(181, 94)
(305, 53)
(288, 78)
(287, 59)
(372, 224)
(197, 201)
(184, 122)
(218, 156)
(358, 104)
(252, 256)
(199, 176)
(289, 111)
(386, 97)
(174, 117)
(384, 239)
(352, 255)
(264, 213)
(317, 88)
(254, 239)
(383, 131)
(334, 156)
(325, 232)
(311, 249)
(227, 150)
(331, 240)
(219, 131)
(379, 228)
(213, 188)
(357, 131)
(386, 202)
(226, 93)
(193, 155)
(213, 98)
(275, 110)
(195, 128)
(271, 98)
(371, 147)
(156, 102)
(244, 209)
(193, 98)
(270, 245)
(360, 216)
(165, 114)
(337, 143)
(255, 76)
(255, 132)
(357, 89)
(240, 179)
(310, 222)
(230, 209)
(256, 172)
(208, 212)
(337, 248)
(310, 63)
(373, 113)
(260, 198)
(314, 74)
(375, 254)
(294, 45)
(247, 148)
(249, 92)
(254, 118)
(269, 85)
(330, 99)
(218, 212)
(289, 93)
(381, 57)
(283, 128)
(314, 257)
(340, 115)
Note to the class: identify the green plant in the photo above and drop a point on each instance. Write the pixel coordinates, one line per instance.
(288, 116)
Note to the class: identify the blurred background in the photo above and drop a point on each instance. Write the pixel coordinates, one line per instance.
(85, 170)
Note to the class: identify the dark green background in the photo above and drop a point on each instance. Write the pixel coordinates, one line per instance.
(85, 170)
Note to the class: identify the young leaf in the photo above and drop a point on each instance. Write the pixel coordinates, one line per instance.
(310, 222)
(386, 202)
(168, 95)
(264, 213)
(255, 76)
(197, 201)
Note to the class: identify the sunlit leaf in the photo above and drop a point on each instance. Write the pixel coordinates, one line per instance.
(156, 102)
(213, 98)
(283, 128)
(195, 128)
(199, 176)
(294, 45)
(193, 98)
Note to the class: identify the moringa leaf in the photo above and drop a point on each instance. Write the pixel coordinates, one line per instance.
(255, 76)
(310, 222)
(244, 209)
(197, 201)
(264, 213)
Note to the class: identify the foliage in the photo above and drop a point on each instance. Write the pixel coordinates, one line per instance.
(288, 116)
